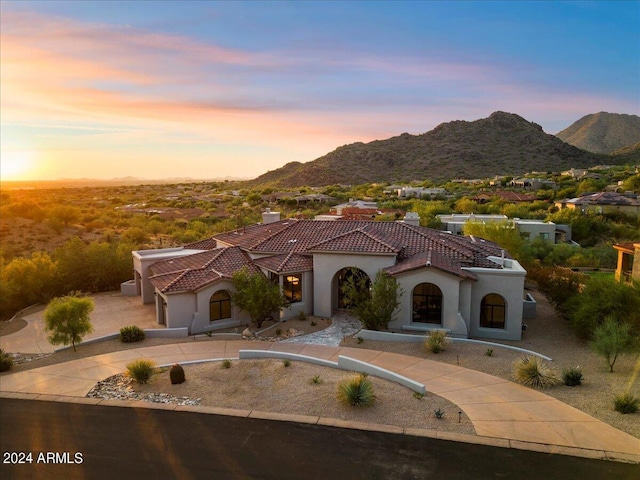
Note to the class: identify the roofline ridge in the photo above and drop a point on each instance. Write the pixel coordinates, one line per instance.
(273, 234)
(175, 280)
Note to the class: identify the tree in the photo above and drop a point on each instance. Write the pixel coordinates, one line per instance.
(502, 233)
(613, 338)
(256, 295)
(67, 318)
(601, 298)
(374, 306)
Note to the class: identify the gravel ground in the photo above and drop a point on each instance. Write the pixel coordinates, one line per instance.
(267, 385)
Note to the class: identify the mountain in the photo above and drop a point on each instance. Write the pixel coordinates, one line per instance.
(603, 132)
(502, 144)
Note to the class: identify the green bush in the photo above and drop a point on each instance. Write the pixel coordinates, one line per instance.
(572, 376)
(439, 414)
(356, 391)
(316, 379)
(226, 363)
(131, 334)
(302, 316)
(6, 361)
(286, 362)
(534, 372)
(436, 341)
(612, 339)
(176, 374)
(626, 403)
(141, 370)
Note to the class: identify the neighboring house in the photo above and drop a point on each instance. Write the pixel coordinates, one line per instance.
(352, 204)
(467, 286)
(511, 197)
(603, 202)
(528, 228)
(409, 192)
(628, 269)
(532, 183)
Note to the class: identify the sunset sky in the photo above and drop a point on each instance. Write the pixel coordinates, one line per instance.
(209, 89)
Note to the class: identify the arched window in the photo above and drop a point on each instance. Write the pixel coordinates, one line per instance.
(427, 303)
(220, 306)
(493, 311)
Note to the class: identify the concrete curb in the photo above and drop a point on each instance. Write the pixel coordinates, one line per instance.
(409, 338)
(336, 423)
(182, 332)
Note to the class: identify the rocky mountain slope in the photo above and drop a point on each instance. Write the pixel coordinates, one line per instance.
(603, 132)
(502, 144)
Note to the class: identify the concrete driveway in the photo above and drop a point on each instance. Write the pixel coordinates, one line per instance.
(112, 312)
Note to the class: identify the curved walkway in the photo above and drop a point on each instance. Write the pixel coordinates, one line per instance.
(342, 325)
(498, 408)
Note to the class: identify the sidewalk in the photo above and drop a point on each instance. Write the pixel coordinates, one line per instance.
(498, 408)
(112, 312)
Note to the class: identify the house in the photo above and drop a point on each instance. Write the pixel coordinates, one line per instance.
(409, 192)
(603, 203)
(528, 228)
(506, 195)
(628, 269)
(532, 183)
(465, 285)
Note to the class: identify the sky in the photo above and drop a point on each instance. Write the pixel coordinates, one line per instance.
(208, 89)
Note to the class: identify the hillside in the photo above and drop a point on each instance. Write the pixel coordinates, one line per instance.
(503, 143)
(603, 132)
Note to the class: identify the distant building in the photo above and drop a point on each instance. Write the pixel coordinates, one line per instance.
(528, 228)
(532, 183)
(511, 197)
(603, 202)
(408, 192)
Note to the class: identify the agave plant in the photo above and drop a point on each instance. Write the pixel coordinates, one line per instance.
(535, 372)
(356, 391)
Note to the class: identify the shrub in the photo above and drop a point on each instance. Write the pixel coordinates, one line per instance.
(278, 332)
(611, 339)
(489, 352)
(176, 374)
(286, 362)
(226, 363)
(439, 414)
(302, 316)
(131, 334)
(356, 391)
(313, 323)
(436, 341)
(316, 379)
(6, 361)
(141, 370)
(534, 372)
(572, 376)
(418, 395)
(626, 403)
(360, 339)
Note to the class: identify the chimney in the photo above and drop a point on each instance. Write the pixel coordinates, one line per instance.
(412, 218)
(270, 217)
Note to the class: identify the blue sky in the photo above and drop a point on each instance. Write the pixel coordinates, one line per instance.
(207, 89)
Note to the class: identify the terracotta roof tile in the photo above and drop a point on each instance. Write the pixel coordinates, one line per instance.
(286, 263)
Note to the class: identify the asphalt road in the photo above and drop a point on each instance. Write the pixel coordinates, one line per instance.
(96, 442)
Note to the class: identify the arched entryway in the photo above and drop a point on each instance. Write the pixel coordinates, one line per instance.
(427, 303)
(220, 306)
(493, 311)
(342, 278)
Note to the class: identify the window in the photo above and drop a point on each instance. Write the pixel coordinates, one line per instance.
(544, 236)
(292, 288)
(427, 303)
(493, 311)
(220, 306)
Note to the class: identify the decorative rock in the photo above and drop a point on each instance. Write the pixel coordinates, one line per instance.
(247, 333)
(118, 387)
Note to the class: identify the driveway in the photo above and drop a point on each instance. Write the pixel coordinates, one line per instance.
(112, 312)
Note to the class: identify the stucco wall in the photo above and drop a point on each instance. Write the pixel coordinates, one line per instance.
(325, 266)
(510, 285)
(450, 287)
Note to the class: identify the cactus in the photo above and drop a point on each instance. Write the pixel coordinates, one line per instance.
(176, 374)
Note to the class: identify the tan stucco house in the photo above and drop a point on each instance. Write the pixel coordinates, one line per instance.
(465, 285)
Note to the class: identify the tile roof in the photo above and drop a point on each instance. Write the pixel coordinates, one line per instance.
(430, 259)
(307, 235)
(193, 272)
(286, 263)
(289, 245)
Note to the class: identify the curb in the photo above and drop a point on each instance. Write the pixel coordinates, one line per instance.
(336, 423)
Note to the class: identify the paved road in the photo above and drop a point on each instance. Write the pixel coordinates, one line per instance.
(125, 443)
